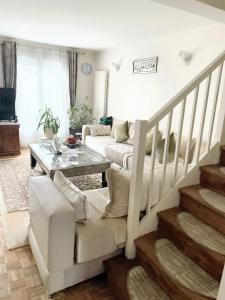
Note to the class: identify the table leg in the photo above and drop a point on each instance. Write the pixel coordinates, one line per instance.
(104, 181)
(33, 162)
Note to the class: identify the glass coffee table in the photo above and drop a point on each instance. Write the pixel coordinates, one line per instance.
(72, 162)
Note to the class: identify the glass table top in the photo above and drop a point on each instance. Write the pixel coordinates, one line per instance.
(80, 156)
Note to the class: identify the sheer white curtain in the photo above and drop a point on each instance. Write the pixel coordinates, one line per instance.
(42, 79)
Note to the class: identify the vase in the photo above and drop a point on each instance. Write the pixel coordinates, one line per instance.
(49, 133)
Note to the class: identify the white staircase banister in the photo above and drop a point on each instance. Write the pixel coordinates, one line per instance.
(186, 91)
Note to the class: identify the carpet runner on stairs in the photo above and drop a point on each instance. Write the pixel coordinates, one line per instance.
(202, 233)
(184, 270)
(214, 199)
(141, 287)
(185, 257)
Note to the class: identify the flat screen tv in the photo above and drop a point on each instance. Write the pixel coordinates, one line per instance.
(7, 104)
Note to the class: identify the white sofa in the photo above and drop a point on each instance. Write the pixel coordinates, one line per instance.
(67, 252)
(119, 153)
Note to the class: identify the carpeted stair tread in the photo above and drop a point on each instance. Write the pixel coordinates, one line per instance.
(193, 192)
(202, 233)
(184, 270)
(192, 201)
(192, 241)
(215, 170)
(141, 287)
(213, 199)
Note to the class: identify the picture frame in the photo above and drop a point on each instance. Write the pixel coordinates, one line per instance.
(145, 65)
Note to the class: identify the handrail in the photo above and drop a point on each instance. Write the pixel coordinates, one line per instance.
(159, 182)
(186, 90)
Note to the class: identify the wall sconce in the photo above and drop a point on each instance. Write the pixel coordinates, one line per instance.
(185, 56)
(117, 65)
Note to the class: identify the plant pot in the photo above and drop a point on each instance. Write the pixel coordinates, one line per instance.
(74, 131)
(49, 133)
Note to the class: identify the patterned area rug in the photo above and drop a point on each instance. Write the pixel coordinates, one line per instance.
(14, 176)
(141, 287)
(202, 233)
(184, 270)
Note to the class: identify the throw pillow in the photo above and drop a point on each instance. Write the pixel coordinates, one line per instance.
(131, 127)
(75, 197)
(115, 123)
(149, 141)
(183, 147)
(121, 132)
(100, 130)
(171, 149)
(106, 121)
(119, 189)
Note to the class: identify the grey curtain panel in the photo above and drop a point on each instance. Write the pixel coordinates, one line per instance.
(9, 64)
(72, 59)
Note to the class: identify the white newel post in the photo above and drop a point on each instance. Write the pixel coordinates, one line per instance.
(220, 126)
(135, 186)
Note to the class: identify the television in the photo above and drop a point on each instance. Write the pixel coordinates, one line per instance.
(7, 104)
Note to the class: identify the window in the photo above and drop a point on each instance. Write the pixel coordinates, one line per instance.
(42, 79)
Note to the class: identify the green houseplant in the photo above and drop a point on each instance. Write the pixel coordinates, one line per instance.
(79, 115)
(50, 123)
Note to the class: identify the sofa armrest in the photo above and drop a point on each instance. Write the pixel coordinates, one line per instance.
(85, 131)
(52, 220)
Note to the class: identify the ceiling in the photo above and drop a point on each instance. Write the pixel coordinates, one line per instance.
(92, 24)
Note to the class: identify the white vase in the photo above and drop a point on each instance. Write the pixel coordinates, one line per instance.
(49, 133)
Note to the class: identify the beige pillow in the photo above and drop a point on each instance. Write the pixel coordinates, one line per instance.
(121, 132)
(76, 198)
(171, 149)
(100, 130)
(149, 141)
(131, 127)
(119, 189)
(115, 123)
(183, 147)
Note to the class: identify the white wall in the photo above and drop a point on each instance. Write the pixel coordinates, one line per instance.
(140, 96)
(85, 83)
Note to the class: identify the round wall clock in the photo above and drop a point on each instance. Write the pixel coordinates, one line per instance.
(86, 68)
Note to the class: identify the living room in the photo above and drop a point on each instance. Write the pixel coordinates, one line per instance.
(96, 105)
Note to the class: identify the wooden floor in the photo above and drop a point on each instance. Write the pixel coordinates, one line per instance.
(20, 280)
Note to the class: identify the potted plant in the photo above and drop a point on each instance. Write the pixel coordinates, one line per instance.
(50, 123)
(79, 115)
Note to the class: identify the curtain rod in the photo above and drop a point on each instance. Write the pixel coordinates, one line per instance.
(59, 48)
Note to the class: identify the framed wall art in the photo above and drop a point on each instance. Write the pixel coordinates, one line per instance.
(145, 65)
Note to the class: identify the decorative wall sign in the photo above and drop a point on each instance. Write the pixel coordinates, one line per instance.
(145, 65)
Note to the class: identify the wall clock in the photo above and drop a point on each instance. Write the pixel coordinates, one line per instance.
(86, 68)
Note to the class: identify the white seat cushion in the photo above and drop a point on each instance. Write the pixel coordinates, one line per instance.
(106, 235)
(98, 143)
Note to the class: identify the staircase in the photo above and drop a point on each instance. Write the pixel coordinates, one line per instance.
(184, 258)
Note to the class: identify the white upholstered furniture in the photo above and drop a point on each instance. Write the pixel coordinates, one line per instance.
(67, 252)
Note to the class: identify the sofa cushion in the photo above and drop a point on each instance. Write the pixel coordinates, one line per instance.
(119, 189)
(76, 198)
(131, 128)
(100, 130)
(171, 149)
(107, 235)
(115, 123)
(121, 132)
(119, 153)
(98, 143)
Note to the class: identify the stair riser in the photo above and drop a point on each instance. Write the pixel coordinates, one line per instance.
(157, 272)
(222, 157)
(203, 213)
(214, 183)
(196, 252)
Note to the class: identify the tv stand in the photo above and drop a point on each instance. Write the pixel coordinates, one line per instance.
(9, 139)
